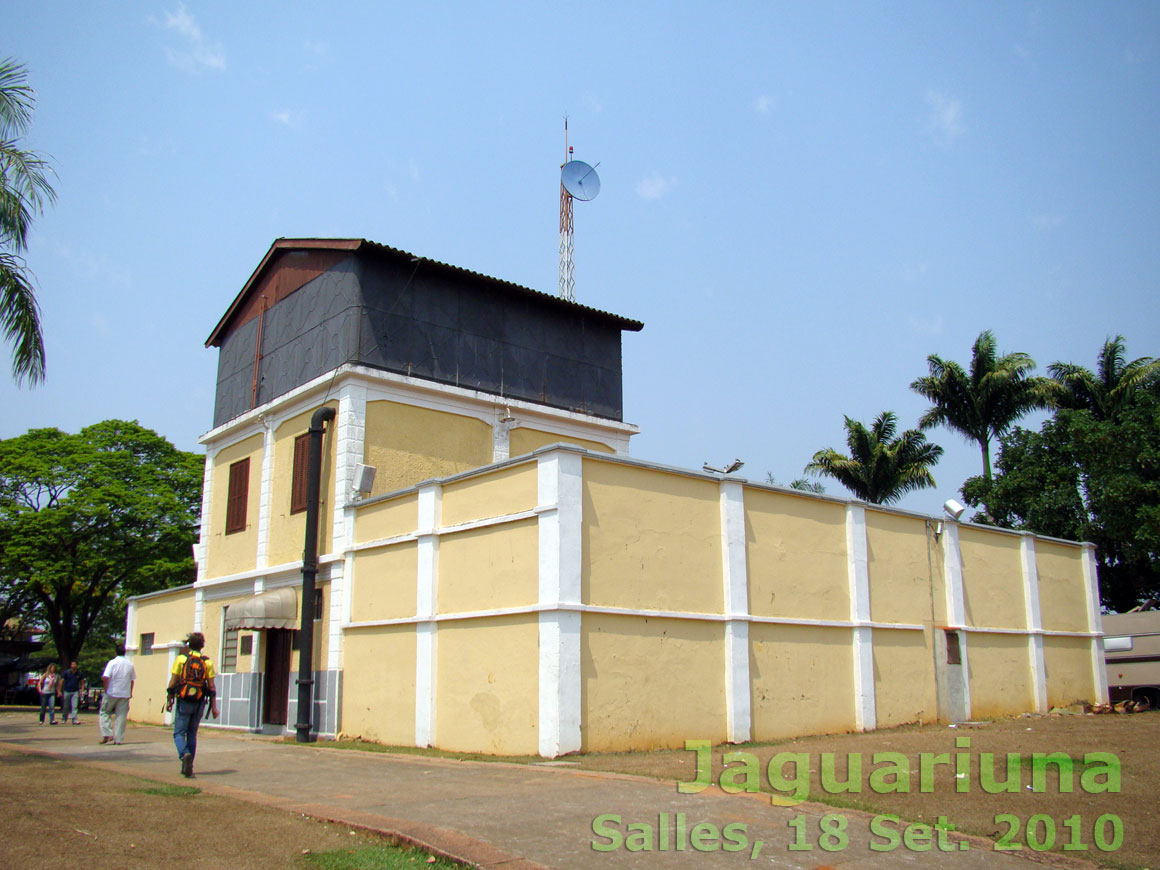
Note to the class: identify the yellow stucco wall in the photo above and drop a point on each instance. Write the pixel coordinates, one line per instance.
(796, 554)
(523, 440)
(287, 531)
(650, 539)
(384, 583)
(506, 491)
(229, 554)
(487, 696)
(1068, 662)
(489, 567)
(378, 692)
(1062, 591)
(169, 617)
(904, 683)
(648, 683)
(803, 680)
(409, 444)
(148, 702)
(387, 519)
(902, 561)
(992, 579)
(1000, 673)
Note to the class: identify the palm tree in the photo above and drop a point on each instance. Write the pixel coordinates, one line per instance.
(986, 402)
(24, 190)
(880, 468)
(1113, 387)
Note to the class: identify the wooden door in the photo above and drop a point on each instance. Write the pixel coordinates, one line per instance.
(277, 694)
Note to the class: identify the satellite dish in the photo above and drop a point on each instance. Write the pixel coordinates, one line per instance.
(580, 180)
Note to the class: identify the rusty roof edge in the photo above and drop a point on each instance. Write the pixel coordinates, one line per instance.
(281, 243)
(354, 245)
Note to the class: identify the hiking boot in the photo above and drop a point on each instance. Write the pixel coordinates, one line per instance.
(187, 765)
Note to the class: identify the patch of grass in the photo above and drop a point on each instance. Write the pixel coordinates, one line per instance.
(376, 858)
(170, 790)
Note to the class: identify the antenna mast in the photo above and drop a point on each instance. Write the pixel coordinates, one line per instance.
(567, 247)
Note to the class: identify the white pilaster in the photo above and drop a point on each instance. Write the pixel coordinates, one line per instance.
(501, 438)
(560, 508)
(426, 603)
(956, 602)
(858, 561)
(350, 438)
(734, 570)
(206, 504)
(265, 495)
(1034, 621)
(1095, 623)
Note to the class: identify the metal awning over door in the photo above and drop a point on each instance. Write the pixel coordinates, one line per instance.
(275, 609)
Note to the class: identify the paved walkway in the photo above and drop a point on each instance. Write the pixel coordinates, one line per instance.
(509, 816)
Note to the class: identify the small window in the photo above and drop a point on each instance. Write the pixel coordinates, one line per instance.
(317, 605)
(298, 479)
(246, 647)
(954, 651)
(237, 500)
(146, 647)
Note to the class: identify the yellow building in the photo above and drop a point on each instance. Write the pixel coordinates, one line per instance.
(515, 583)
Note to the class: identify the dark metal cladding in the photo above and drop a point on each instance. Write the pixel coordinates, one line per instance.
(386, 309)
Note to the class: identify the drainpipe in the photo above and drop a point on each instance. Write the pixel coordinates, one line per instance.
(309, 573)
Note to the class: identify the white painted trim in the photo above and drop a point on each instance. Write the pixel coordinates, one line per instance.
(522, 610)
(858, 562)
(560, 684)
(424, 393)
(131, 624)
(198, 609)
(966, 666)
(560, 495)
(429, 507)
(1095, 623)
(953, 575)
(206, 509)
(1034, 621)
(734, 572)
(426, 656)
(265, 496)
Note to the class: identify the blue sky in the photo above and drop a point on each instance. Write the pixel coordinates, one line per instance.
(800, 200)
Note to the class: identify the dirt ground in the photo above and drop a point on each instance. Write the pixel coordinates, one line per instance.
(1133, 739)
(57, 814)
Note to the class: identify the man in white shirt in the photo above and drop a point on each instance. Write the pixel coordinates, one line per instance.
(118, 678)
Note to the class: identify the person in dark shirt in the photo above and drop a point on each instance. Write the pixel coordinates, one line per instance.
(72, 684)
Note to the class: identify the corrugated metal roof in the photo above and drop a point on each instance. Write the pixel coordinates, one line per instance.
(355, 245)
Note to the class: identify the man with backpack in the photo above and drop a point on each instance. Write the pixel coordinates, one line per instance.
(191, 684)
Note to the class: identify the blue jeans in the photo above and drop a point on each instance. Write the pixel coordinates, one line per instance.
(69, 702)
(186, 717)
(48, 705)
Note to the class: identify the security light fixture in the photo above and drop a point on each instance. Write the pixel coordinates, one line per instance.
(364, 478)
(728, 469)
(953, 508)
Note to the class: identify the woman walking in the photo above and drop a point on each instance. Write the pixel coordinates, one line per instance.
(49, 687)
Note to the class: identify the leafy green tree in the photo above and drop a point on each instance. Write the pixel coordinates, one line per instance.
(1115, 385)
(88, 519)
(880, 468)
(1089, 479)
(985, 402)
(24, 191)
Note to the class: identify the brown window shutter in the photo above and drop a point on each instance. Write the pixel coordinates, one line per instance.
(237, 499)
(298, 479)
